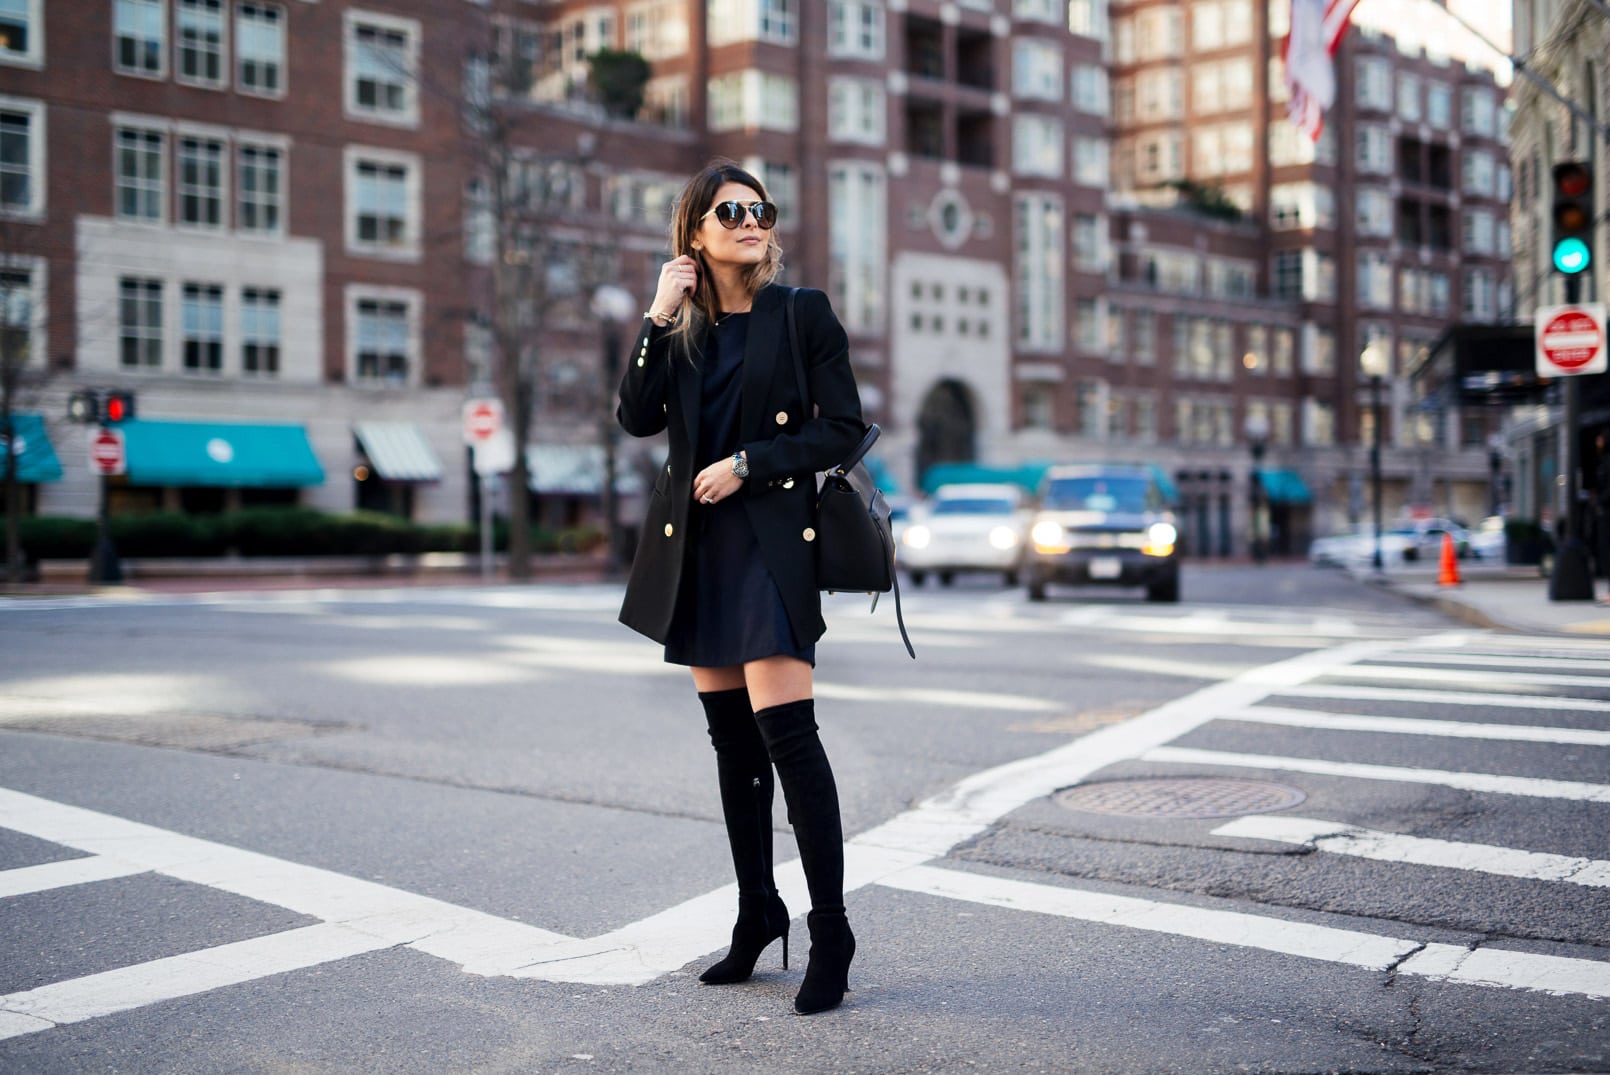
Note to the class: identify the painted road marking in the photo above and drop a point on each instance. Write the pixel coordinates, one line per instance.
(1356, 722)
(1469, 676)
(1342, 839)
(1556, 975)
(1495, 660)
(79, 871)
(1468, 698)
(1494, 783)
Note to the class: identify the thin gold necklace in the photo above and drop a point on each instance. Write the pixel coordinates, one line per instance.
(727, 316)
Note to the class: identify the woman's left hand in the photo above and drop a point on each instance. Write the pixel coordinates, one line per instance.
(716, 482)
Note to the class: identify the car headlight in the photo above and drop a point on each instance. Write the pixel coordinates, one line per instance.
(1048, 536)
(1003, 538)
(917, 537)
(1160, 538)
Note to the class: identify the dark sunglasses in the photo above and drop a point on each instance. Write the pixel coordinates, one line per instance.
(731, 214)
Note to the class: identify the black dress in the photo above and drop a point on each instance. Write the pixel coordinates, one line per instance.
(728, 611)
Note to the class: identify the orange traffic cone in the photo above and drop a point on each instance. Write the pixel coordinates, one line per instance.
(1449, 574)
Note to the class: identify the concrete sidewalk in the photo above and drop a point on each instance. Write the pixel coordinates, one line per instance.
(1499, 596)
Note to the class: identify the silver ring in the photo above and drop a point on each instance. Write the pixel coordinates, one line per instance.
(709, 500)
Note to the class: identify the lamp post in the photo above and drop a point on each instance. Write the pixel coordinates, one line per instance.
(612, 305)
(1373, 364)
(1257, 430)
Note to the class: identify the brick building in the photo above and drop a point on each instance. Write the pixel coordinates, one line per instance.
(1052, 231)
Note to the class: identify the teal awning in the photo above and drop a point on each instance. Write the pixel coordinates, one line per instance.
(1027, 475)
(1285, 487)
(230, 454)
(36, 456)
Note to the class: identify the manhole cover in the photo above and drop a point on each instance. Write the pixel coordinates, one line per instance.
(1200, 797)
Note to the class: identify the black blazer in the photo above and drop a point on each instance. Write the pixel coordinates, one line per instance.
(785, 447)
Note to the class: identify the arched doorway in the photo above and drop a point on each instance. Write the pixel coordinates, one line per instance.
(946, 427)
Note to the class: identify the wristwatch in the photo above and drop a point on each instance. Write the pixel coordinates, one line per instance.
(740, 465)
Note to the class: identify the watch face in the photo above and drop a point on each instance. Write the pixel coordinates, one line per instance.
(740, 466)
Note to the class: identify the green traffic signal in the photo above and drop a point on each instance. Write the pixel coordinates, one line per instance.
(1571, 255)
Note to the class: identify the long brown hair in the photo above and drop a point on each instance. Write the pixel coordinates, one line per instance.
(691, 206)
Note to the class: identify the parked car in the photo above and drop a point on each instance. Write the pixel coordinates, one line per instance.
(1487, 541)
(1417, 540)
(1104, 524)
(965, 527)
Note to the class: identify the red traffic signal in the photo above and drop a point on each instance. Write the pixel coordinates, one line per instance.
(119, 407)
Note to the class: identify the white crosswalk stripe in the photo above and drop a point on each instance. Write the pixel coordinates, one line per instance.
(908, 851)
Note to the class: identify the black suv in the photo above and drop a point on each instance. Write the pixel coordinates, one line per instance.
(1104, 524)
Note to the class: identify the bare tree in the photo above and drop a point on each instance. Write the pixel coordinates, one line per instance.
(17, 374)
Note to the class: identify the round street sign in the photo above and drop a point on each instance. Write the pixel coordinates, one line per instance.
(482, 420)
(106, 454)
(1570, 340)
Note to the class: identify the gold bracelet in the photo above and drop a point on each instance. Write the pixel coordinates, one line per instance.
(659, 319)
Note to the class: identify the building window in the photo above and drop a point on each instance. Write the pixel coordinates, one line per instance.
(201, 182)
(1090, 242)
(22, 25)
(1037, 146)
(1373, 150)
(1088, 18)
(1476, 112)
(1091, 167)
(383, 205)
(1145, 337)
(665, 101)
(382, 340)
(382, 68)
(1038, 272)
(260, 49)
(140, 323)
(141, 29)
(1319, 423)
(259, 172)
(855, 29)
(1037, 406)
(751, 20)
(203, 314)
(1374, 89)
(19, 319)
(1439, 106)
(754, 99)
(1090, 89)
(1036, 70)
(22, 158)
(856, 111)
(141, 177)
(657, 30)
(782, 187)
(1289, 274)
(857, 214)
(259, 332)
(199, 27)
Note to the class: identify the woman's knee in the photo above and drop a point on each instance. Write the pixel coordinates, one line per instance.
(775, 681)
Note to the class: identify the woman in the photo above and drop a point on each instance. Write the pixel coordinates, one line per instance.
(725, 575)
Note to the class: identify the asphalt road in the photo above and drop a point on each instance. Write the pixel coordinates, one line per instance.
(476, 829)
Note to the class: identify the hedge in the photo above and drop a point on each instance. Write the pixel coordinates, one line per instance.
(278, 532)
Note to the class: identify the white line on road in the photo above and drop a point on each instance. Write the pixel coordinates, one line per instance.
(49, 875)
(1468, 676)
(1464, 698)
(1342, 839)
(1456, 729)
(184, 975)
(1495, 660)
(1484, 782)
(1556, 975)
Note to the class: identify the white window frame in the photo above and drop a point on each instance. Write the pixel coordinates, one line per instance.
(856, 29)
(1091, 89)
(223, 13)
(730, 21)
(857, 111)
(407, 115)
(1036, 70)
(144, 330)
(668, 97)
(200, 334)
(34, 55)
(164, 208)
(414, 301)
(1036, 145)
(37, 271)
(245, 339)
(260, 144)
(281, 64)
(38, 143)
(1046, 11)
(747, 106)
(213, 136)
(858, 198)
(781, 181)
(409, 249)
(1038, 260)
(1092, 162)
(161, 71)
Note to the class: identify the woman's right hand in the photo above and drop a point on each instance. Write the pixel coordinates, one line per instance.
(678, 278)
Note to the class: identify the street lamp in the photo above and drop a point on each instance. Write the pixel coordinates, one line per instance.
(612, 305)
(1372, 362)
(1257, 430)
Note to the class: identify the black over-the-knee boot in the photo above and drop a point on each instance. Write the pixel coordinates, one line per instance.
(813, 810)
(743, 770)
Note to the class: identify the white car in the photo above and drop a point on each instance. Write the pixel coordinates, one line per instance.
(1416, 541)
(969, 527)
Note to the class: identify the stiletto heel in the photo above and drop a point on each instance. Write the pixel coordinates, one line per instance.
(761, 920)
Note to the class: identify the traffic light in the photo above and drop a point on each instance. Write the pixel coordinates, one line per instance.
(84, 406)
(119, 407)
(1572, 217)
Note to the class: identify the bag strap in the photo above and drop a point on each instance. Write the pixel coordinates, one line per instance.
(798, 353)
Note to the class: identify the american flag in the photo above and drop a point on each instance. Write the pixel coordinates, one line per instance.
(1317, 27)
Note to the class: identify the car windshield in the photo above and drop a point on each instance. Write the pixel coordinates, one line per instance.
(972, 506)
(1097, 494)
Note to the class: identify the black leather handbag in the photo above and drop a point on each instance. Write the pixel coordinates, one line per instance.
(854, 542)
